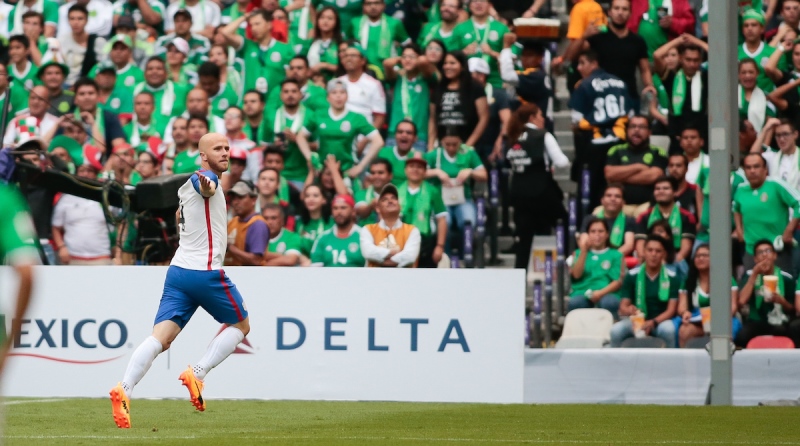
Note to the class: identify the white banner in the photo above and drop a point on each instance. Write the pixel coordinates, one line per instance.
(330, 334)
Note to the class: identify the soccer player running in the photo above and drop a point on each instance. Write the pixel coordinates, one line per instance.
(195, 278)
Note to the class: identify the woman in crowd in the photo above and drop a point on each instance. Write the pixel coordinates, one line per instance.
(435, 52)
(314, 218)
(323, 51)
(753, 103)
(596, 271)
(659, 106)
(536, 197)
(147, 166)
(459, 102)
(696, 293)
(451, 168)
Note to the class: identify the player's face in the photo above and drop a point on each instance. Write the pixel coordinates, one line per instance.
(143, 105)
(342, 213)
(155, 74)
(215, 151)
(691, 142)
(274, 161)
(405, 137)
(379, 176)
(274, 221)
(677, 167)
(313, 198)
(747, 76)
(598, 236)
(253, 107)
(242, 206)
(663, 193)
(267, 183)
(415, 172)
(612, 200)
(290, 95)
(654, 254)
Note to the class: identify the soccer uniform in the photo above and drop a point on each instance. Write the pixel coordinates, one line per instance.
(347, 9)
(16, 230)
(204, 13)
(364, 197)
(680, 220)
(311, 231)
(601, 268)
(169, 98)
(466, 157)
(420, 207)
(380, 39)
(300, 25)
(411, 100)
(137, 134)
(295, 167)
(490, 33)
(331, 251)
(398, 163)
(337, 135)
(653, 305)
(127, 77)
(47, 8)
(224, 98)
(286, 242)
(119, 101)
(195, 276)
(28, 77)
(198, 47)
(433, 31)
(761, 56)
(765, 211)
(187, 161)
(264, 68)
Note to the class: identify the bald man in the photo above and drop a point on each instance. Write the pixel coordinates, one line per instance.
(46, 124)
(195, 279)
(197, 103)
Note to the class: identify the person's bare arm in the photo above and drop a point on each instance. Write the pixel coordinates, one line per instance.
(644, 71)
(61, 247)
(578, 267)
(661, 53)
(378, 120)
(616, 174)
(375, 144)
(230, 32)
(627, 246)
(149, 15)
(686, 249)
(244, 257)
(388, 68)
(771, 67)
(776, 96)
(626, 307)
(668, 314)
(431, 127)
(746, 292)
(640, 248)
(482, 106)
(735, 302)
(25, 278)
(737, 220)
(283, 260)
(699, 198)
(612, 287)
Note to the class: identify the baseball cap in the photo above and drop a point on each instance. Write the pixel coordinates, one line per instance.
(360, 49)
(180, 44)
(122, 38)
(122, 148)
(389, 189)
(335, 84)
(478, 65)
(241, 188)
(416, 160)
(125, 22)
(92, 156)
(238, 153)
(106, 65)
(184, 12)
(347, 199)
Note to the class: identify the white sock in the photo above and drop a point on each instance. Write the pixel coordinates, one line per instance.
(140, 363)
(221, 347)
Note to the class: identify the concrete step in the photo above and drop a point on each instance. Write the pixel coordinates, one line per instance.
(562, 120)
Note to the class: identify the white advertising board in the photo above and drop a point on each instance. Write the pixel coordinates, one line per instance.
(317, 334)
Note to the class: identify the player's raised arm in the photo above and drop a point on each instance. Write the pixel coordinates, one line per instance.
(205, 183)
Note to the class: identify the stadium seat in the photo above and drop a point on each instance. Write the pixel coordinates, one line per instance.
(586, 328)
(766, 342)
(660, 141)
(646, 342)
(700, 342)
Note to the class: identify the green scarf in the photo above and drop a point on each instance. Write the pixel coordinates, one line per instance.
(679, 88)
(652, 12)
(99, 120)
(617, 236)
(663, 288)
(405, 97)
(760, 283)
(280, 120)
(385, 45)
(419, 214)
(283, 189)
(167, 99)
(484, 39)
(662, 95)
(431, 34)
(675, 222)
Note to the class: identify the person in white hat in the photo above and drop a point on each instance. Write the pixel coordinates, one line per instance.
(490, 144)
(178, 70)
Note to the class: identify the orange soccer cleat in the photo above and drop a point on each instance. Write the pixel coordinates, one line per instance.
(120, 407)
(195, 387)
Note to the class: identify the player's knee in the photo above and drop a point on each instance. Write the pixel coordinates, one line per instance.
(244, 326)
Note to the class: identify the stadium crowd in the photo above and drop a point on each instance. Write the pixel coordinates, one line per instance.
(362, 132)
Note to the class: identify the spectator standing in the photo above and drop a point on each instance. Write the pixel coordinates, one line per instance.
(400, 148)
(681, 222)
(49, 10)
(534, 194)
(622, 228)
(99, 15)
(770, 312)
(103, 126)
(381, 173)
(197, 45)
(323, 51)
(314, 97)
(365, 94)
(287, 128)
(412, 93)
(205, 16)
(346, 10)
(197, 105)
(339, 246)
(168, 95)
(285, 246)
(188, 161)
(599, 112)
(490, 144)
(422, 206)
(596, 270)
(378, 33)
(659, 21)
(531, 84)
(482, 36)
(685, 192)
(755, 48)
(81, 50)
(248, 234)
(761, 211)
(753, 103)
(637, 165)
(268, 186)
(650, 289)
(692, 144)
(390, 242)
(459, 102)
(442, 30)
(120, 57)
(179, 69)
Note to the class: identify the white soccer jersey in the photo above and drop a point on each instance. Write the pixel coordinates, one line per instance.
(365, 96)
(203, 226)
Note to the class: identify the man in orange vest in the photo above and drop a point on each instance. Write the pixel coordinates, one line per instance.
(248, 234)
(390, 242)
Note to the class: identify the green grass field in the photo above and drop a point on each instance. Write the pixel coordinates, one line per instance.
(89, 422)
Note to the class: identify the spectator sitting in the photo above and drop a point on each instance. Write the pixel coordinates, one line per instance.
(267, 187)
(339, 246)
(285, 246)
(46, 123)
(248, 234)
(381, 172)
(761, 210)
(783, 165)
(314, 218)
(695, 294)
(650, 289)
(390, 242)
(681, 222)
(421, 205)
(685, 192)
(692, 143)
(636, 165)
(596, 270)
(623, 227)
(770, 311)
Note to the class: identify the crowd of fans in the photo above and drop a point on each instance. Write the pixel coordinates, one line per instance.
(361, 133)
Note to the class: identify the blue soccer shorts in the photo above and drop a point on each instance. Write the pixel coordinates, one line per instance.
(186, 289)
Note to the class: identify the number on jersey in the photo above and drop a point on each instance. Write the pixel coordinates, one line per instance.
(607, 108)
(339, 256)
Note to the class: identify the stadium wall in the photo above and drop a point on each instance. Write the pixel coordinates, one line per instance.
(317, 334)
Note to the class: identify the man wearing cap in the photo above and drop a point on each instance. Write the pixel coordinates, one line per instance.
(142, 48)
(284, 245)
(112, 98)
(221, 96)
(339, 246)
(121, 60)
(531, 83)
(365, 94)
(179, 70)
(421, 205)
(482, 36)
(145, 123)
(170, 97)
(265, 58)
(378, 33)
(19, 101)
(45, 123)
(754, 48)
(405, 137)
(49, 9)
(248, 234)
(103, 126)
(146, 12)
(53, 73)
(198, 45)
(390, 242)
(205, 16)
(491, 141)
